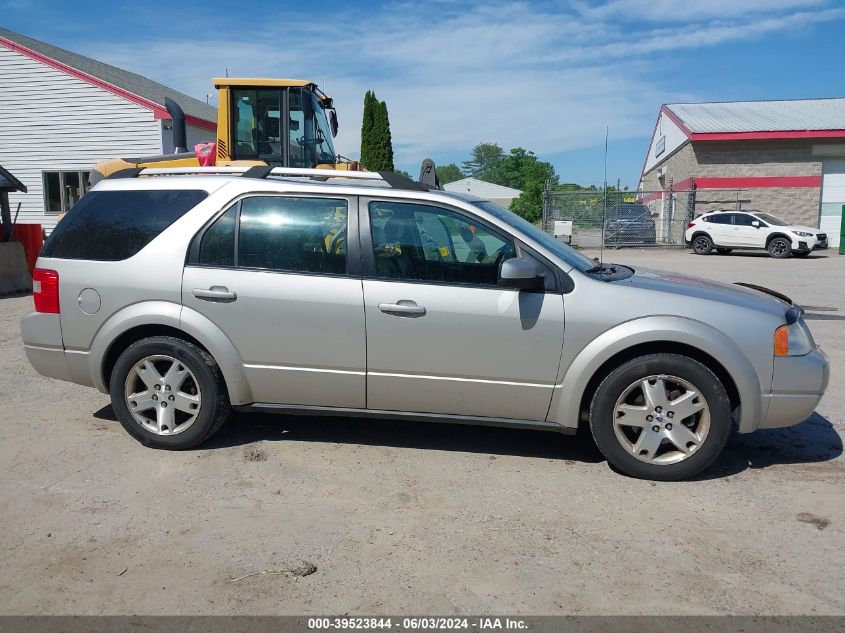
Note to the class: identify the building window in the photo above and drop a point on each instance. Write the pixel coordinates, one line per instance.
(63, 189)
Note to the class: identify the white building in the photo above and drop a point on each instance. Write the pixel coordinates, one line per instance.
(61, 113)
(494, 193)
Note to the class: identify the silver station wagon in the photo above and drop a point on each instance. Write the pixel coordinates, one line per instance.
(185, 295)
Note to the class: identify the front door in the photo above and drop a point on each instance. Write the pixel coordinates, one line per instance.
(272, 273)
(746, 233)
(441, 336)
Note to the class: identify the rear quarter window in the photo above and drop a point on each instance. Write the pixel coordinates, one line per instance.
(115, 225)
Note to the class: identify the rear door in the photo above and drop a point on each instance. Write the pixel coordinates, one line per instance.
(441, 336)
(279, 277)
(721, 229)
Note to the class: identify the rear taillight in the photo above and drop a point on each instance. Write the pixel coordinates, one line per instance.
(45, 290)
(690, 225)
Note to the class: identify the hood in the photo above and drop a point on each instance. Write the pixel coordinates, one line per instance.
(697, 288)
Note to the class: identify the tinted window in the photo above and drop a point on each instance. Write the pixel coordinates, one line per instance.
(217, 247)
(114, 225)
(721, 218)
(293, 234)
(741, 219)
(630, 212)
(425, 243)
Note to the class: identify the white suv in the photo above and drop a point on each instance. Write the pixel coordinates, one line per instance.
(727, 230)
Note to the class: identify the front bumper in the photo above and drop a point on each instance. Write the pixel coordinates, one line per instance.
(806, 244)
(798, 384)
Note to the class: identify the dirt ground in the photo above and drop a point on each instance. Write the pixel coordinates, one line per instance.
(418, 518)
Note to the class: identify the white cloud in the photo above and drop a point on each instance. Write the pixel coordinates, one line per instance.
(518, 73)
(680, 11)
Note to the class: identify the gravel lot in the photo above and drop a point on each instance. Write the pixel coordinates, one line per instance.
(418, 518)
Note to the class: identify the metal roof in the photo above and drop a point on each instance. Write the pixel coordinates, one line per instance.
(761, 116)
(131, 82)
(481, 188)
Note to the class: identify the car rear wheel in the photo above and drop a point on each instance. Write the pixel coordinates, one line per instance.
(779, 248)
(724, 251)
(664, 416)
(168, 393)
(702, 245)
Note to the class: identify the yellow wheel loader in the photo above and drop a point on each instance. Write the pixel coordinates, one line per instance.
(275, 122)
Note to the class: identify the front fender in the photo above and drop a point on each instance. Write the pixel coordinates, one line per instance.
(566, 402)
(173, 315)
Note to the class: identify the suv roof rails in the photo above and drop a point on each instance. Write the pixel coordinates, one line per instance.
(393, 180)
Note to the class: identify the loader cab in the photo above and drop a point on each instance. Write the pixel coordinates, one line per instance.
(284, 123)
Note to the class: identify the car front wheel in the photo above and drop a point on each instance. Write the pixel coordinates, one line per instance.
(702, 245)
(779, 248)
(168, 393)
(664, 416)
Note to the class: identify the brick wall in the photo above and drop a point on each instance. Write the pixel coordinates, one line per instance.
(738, 159)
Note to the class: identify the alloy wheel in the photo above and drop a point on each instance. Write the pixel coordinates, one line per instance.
(778, 247)
(162, 395)
(701, 245)
(661, 419)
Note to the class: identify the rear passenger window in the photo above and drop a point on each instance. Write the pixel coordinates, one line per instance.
(217, 247)
(722, 218)
(293, 234)
(115, 225)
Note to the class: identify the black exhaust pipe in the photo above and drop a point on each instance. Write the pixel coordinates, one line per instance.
(177, 116)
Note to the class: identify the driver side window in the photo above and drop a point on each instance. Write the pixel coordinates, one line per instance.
(425, 243)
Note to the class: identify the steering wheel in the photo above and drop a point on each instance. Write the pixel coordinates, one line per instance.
(499, 256)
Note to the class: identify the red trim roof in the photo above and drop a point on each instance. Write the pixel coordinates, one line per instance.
(785, 134)
(158, 110)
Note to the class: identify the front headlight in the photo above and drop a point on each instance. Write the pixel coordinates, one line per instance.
(802, 234)
(793, 340)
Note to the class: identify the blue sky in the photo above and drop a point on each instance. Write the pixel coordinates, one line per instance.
(547, 76)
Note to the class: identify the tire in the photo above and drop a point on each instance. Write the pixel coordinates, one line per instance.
(638, 449)
(724, 251)
(779, 248)
(161, 371)
(801, 253)
(702, 245)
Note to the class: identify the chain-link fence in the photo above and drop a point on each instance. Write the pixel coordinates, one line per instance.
(626, 218)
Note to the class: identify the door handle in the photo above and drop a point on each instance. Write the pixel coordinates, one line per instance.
(218, 294)
(402, 308)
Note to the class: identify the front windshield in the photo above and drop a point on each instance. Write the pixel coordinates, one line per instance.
(310, 134)
(564, 251)
(770, 219)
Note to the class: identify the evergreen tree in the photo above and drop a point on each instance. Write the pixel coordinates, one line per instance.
(385, 139)
(368, 128)
(376, 141)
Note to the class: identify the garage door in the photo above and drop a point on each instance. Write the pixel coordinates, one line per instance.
(833, 197)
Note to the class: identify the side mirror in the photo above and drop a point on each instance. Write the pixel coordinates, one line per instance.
(755, 224)
(333, 122)
(520, 274)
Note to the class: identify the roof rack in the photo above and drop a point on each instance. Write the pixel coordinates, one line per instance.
(393, 180)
